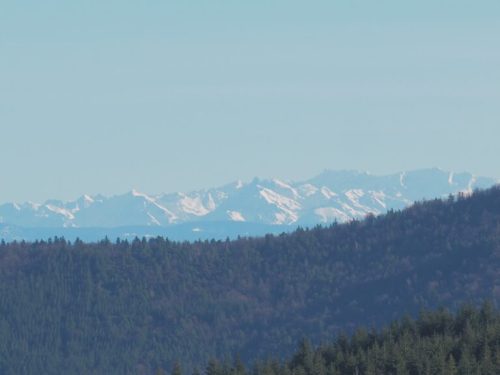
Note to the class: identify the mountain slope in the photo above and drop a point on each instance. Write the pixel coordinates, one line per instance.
(135, 306)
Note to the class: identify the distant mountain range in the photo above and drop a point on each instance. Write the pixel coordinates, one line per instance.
(252, 208)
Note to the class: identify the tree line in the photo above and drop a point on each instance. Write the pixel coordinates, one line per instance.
(437, 343)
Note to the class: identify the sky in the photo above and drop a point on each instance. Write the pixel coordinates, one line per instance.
(162, 96)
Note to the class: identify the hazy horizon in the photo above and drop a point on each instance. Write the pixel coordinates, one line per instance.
(245, 181)
(103, 97)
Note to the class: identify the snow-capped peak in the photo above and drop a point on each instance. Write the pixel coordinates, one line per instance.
(331, 196)
(87, 198)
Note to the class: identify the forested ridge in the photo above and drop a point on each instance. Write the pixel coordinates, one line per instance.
(136, 307)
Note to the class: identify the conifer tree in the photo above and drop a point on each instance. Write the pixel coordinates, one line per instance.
(213, 368)
(487, 366)
(238, 367)
(451, 367)
(465, 366)
(177, 370)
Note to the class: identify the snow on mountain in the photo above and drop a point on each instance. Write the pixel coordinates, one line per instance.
(287, 207)
(193, 205)
(61, 211)
(330, 214)
(307, 190)
(331, 196)
(235, 216)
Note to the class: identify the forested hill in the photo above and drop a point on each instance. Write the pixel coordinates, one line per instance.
(119, 308)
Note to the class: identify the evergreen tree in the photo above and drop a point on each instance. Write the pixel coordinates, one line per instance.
(177, 370)
(487, 366)
(238, 367)
(465, 366)
(451, 367)
(213, 368)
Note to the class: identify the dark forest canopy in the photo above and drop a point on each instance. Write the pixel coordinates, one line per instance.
(130, 307)
(437, 343)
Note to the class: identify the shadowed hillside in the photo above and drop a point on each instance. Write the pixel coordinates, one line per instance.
(134, 307)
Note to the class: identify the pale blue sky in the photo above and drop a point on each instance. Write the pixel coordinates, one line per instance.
(103, 96)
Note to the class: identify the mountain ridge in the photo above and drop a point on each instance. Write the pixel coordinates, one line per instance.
(331, 196)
